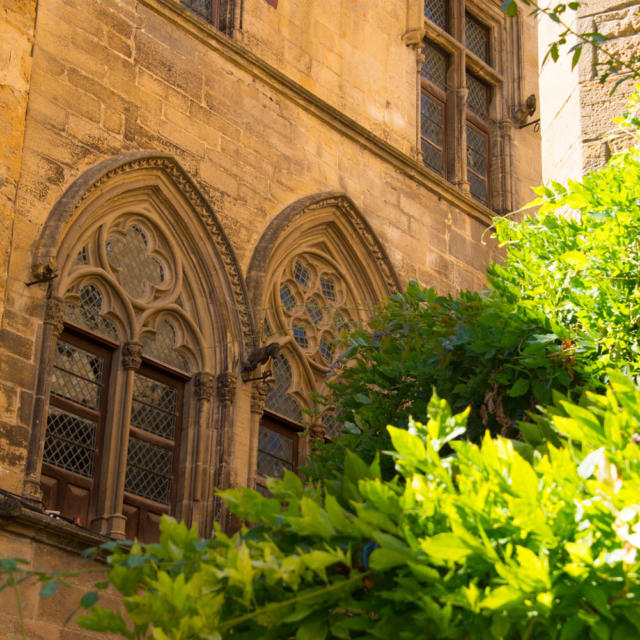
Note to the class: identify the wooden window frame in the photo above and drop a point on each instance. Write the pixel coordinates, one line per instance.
(98, 346)
(437, 95)
(168, 376)
(287, 427)
(107, 420)
(457, 113)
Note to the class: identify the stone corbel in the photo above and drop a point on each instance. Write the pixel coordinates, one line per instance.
(226, 387)
(414, 33)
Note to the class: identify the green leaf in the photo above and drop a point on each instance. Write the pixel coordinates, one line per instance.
(48, 589)
(89, 599)
(575, 258)
(519, 388)
(314, 629)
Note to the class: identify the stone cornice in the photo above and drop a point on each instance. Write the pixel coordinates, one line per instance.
(19, 520)
(305, 99)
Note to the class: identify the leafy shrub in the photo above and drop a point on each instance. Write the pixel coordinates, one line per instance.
(562, 307)
(481, 543)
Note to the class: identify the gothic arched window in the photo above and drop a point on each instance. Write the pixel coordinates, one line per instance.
(318, 277)
(113, 432)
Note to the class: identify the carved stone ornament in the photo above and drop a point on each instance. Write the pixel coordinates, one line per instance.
(258, 396)
(54, 314)
(371, 242)
(205, 386)
(131, 355)
(260, 355)
(317, 431)
(226, 386)
(117, 168)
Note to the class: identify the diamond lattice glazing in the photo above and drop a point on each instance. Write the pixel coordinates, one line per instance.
(333, 428)
(77, 375)
(301, 274)
(162, 346)
(287, 298)
(328, 288)
(70, 442)
(478, 96)
(436, 11)
(278, 398)
(149, 470)
(434, 67)
(154, 407)
(275, 452)
(477, 38)
(129, 254)
(88, 313)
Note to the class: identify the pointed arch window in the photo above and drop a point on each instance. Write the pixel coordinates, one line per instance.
(121, 377)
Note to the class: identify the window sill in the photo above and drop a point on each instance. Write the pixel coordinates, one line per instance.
(18, 519)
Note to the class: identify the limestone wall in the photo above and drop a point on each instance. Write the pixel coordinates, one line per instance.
(307, 98)
(578, 134)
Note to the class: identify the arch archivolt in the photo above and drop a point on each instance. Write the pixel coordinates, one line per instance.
(316, 271)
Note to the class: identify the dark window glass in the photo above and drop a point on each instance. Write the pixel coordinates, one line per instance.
(436, 11)
(477, 38)
(219, 12)
(478, 96)
(434, 68)
(477, 163)
(432, 132)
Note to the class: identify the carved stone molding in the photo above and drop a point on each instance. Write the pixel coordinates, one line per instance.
(54, 315)
(258, 396)
(226, 386)
(204, 386)
(96, 178)
(317, 431)
(131, 355)
(372, 243)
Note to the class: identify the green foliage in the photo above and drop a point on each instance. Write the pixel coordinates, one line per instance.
(609, 62)
(562, 307)
(474, 544)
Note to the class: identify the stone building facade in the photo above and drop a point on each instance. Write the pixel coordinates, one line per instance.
(196, 198)
(576, 109)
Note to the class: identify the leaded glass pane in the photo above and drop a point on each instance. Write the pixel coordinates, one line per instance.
(162, 346)
(201, 8)
(300, 335)
(287, 297)
(314, 312)
(477, 38)
(434, 68)
(328, 287)
(478, 187)
(431, 126)
(436, 11)
(70, 442)
(275, 452)
(333, 427)
(476, 151)
(278, 398)
(77, 375)
(478, 96)
(327, 347)
(88, 313)
(82, 257)
(129, 254)
(432, 132)
(301, 274)
(154, 407)
(149, 470)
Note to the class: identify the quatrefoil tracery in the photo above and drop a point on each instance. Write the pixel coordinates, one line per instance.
(122, 283)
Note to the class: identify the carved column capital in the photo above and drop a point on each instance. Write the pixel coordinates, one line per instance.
(226, 384)
(258, 396)
(317, 431)
(131, 355)
(54, 315)
(204, 386)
